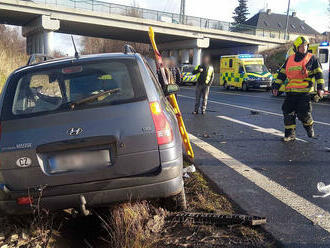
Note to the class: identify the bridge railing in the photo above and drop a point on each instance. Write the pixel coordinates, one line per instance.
(111, 8)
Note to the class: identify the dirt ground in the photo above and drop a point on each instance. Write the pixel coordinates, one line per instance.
(136, 224)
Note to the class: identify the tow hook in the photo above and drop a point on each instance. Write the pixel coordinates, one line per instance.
(83, 208)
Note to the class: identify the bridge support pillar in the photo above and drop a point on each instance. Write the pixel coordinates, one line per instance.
(185, 56)
(197, 56)
(39, 35)
(175, 54)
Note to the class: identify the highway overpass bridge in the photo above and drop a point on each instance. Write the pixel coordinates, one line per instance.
(40, 18)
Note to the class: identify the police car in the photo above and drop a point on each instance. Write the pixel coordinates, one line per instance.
(187, 76)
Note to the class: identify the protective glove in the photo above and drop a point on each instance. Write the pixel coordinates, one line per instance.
(320, 93)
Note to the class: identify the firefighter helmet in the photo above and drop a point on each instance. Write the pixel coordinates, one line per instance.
(299, 41)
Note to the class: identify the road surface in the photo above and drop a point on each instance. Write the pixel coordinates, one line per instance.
(237, 145)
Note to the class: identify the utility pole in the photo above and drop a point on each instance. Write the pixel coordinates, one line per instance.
(182, 11)
(287, 22)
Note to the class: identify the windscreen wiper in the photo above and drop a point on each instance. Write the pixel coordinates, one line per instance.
(92, 97)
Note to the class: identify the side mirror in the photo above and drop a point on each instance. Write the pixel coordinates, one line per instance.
(171, 89)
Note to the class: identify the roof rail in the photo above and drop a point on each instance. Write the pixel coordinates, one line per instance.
(129, 49)
(38, 56)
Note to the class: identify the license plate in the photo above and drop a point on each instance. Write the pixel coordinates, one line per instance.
(263, 86)
(79, 161)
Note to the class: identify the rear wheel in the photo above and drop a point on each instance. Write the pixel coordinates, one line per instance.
(177, 202)
(245, 87)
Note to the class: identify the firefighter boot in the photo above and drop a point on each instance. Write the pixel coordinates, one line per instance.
(290, 135)
(310, 131)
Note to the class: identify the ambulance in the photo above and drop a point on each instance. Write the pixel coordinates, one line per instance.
(322, 51)
(244, 71)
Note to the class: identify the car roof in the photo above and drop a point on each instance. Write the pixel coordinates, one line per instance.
(81, 58)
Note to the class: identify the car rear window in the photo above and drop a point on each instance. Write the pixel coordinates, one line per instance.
(72, 86)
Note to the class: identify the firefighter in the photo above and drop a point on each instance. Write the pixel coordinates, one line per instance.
(205, 74)
(299, 70)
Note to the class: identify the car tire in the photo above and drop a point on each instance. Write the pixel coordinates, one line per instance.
(181, 201)
(177, 202)
(245, 87)
(278, 94)
(225, 85)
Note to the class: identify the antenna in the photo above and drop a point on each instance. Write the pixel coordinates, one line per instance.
(76, 54)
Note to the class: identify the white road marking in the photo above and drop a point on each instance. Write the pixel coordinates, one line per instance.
(253, 96)
(304, 207)
(251, 109)
(238, 94)
(271, 131)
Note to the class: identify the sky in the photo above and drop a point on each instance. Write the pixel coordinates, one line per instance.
(314, 12)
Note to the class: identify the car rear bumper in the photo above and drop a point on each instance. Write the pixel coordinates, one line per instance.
(166, 183)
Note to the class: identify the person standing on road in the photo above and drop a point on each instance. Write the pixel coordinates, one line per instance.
(205, 75)
(168, 73)
(300, 68)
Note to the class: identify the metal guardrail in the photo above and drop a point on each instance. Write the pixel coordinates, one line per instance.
(111, 8)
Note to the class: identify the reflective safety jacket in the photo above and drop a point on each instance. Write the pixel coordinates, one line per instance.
(206, 76)
(299, 71)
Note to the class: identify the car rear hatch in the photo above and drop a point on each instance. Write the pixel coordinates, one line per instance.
(51, 135)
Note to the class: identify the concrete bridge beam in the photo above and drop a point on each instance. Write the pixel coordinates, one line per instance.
(39, 34)
(185, 44)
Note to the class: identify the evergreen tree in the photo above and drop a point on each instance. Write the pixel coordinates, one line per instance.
(241, 12)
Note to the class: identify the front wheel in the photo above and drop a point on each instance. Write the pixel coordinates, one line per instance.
(225, 85)
(278, 93)
(245, 87)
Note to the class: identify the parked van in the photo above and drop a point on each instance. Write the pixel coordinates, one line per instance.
(244, 71)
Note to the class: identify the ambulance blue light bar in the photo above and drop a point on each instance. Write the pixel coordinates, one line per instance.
(246, 56)
(325, 43)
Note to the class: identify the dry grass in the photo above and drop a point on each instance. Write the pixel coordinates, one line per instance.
(202, 198)
(12, 53)
(10, 60)
(134, 225)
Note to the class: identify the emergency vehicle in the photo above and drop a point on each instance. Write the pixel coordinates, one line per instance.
(186, 74)
(244, 71)
(322, 51)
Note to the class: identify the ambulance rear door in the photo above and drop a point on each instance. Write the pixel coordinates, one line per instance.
(323, 55)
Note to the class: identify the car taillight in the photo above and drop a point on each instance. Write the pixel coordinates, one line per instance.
(163, 128)
(25, 200)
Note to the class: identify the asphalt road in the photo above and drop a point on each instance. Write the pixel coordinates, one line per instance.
(238, 146)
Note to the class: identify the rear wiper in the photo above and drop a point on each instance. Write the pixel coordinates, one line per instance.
(92, 98)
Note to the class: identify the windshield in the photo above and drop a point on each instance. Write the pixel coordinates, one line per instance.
(256, 68)
(188, 69)
(91, 84)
